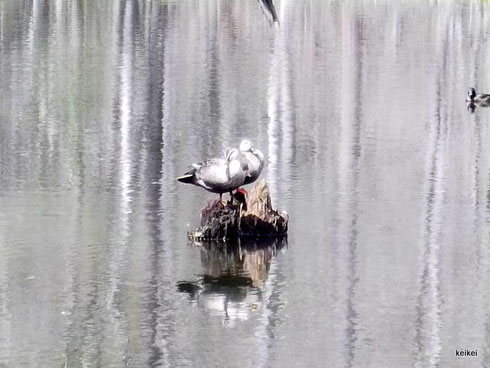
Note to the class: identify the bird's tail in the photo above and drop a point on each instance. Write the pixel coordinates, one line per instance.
(186, 178)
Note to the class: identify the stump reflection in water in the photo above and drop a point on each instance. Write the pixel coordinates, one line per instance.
(228, 264)
(235, 273)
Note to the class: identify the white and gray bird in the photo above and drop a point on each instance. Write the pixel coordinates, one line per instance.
(218, 175)
(253, 158)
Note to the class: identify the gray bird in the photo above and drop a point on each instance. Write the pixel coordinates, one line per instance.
(253, 158)
(218, 175)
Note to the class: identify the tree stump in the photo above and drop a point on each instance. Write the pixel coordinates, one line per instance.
(254, 217)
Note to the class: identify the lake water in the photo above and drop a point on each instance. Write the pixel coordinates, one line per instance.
(360, 109)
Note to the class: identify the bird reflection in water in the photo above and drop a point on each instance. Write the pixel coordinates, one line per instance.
(471, 106)
(234, 276)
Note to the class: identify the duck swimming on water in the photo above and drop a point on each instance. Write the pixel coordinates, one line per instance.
(218, 175)
(479, 99)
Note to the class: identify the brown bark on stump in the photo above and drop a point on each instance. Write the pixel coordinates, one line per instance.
(232, 221)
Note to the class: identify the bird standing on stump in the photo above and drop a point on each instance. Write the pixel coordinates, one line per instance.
(254, 159)
(218, 175)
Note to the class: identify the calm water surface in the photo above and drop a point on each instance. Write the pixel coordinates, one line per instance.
(359, 107)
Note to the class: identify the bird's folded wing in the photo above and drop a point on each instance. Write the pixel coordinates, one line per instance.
(213, 175)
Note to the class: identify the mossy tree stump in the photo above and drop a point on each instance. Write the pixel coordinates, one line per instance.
(254, 217)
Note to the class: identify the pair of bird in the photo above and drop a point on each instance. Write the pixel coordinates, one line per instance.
(479, 99)
(224, 175)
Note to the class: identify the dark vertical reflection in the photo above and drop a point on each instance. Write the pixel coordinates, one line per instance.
(5, 314)
(346, 239)
(213, 65)
(485, 261)
(212, 99)
(429, 300)
(485, 272)
(269, 9)
(477, 221)
(87, 265)
(270, 319)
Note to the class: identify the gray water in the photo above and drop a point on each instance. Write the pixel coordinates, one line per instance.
(360, 109)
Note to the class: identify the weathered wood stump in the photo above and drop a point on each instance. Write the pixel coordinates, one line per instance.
(254, 217)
